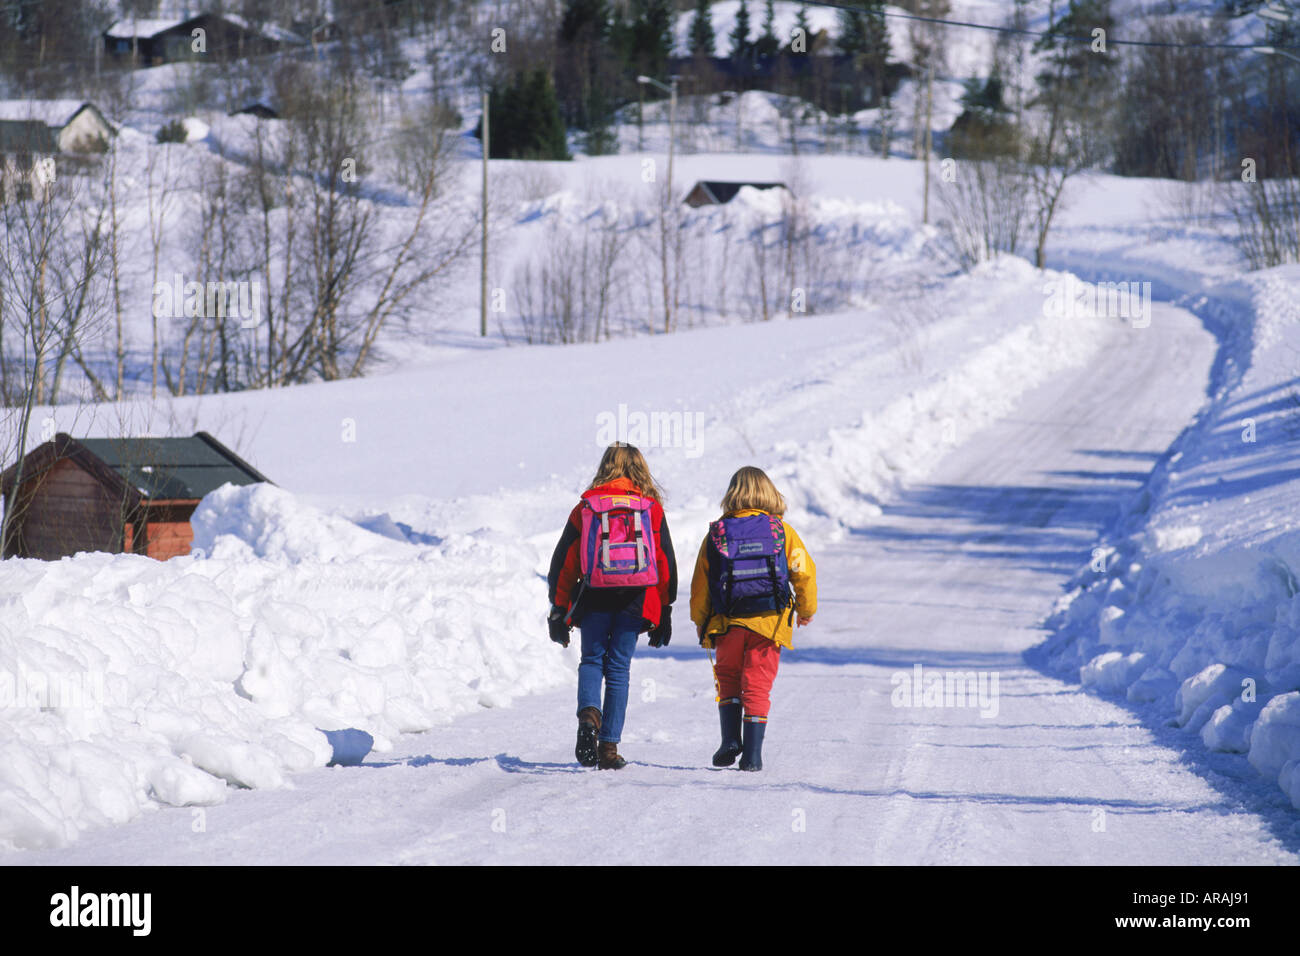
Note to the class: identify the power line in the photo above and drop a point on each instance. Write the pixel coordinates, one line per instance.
(1021, 31)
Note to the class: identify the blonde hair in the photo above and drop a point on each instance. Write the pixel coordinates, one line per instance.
(751, 488)
(622, 460)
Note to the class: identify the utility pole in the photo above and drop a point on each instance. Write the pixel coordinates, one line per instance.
(483, 213)
(663, 224)
(929, 108)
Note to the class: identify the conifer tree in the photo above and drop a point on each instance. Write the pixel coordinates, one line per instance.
(702, 37)
(740, 45)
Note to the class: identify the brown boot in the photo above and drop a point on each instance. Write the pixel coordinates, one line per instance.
(609, 758)
(588, 728)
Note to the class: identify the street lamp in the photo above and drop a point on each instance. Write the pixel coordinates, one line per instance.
(1274, 51)
(1278, 14)
(663, 225)
(672, 116)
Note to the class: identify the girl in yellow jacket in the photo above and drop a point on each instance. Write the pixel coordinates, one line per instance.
(753, 581)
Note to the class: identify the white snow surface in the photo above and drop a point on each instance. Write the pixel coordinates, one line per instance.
(952, 575)
(221, 667)
(1193, 604)
(954, 458)
(206, 671)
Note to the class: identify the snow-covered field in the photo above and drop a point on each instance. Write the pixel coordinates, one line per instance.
(1093, 517)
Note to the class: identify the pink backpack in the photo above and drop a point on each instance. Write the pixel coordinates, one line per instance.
(618, 547)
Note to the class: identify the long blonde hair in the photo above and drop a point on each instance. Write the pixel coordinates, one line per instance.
(622, 460)
(751, 488)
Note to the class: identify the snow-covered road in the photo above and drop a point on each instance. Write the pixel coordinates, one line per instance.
(955, 577)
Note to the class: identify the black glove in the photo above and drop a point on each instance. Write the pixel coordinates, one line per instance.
(559, 629)
(661, 635)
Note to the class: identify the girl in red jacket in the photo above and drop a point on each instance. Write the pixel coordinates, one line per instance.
(607, 536)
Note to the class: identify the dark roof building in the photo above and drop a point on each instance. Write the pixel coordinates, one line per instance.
(45, 127)
(150, 42)
(715, 192)
(114, 494)
(260, 110)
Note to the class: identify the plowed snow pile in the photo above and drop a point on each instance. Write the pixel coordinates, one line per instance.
(203, 671)
(1193, 607)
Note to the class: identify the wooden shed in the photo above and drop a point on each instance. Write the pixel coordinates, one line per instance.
(114, 494)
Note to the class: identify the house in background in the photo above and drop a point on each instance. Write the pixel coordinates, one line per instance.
(712, 192)
(260, 110)
(32, 130)
(114, 494)
(150, 42)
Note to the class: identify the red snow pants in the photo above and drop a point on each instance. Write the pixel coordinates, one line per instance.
(746, 668)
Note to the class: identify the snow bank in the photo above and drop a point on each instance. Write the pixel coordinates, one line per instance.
(843, 478)
(1192, 605)
(126, 683)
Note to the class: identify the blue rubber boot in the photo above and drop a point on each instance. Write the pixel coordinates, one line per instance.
(752, 743)
(729, 715)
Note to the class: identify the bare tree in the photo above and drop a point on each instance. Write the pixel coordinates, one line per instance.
(50, 257)
(929, 55)
(670, 253)
(266, 190)
(205, 336)
(1267, 214)
(762, 264)
(1074, 129)
(985, 208)
(568, 290)
(355, 265)
(160, 185)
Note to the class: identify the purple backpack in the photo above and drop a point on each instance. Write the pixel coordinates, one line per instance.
(618, 547)
(747, 569)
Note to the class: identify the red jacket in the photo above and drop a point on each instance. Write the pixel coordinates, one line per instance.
(566, 570)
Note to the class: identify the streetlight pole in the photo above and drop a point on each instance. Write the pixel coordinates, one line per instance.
(483, 248)
(663, 224)
(1274, 51)
(1278, 12)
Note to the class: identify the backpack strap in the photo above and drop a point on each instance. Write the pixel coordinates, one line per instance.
(776, 584)
(604, 538)
(640, 541)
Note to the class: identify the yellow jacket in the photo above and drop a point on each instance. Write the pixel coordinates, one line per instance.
(774, 625)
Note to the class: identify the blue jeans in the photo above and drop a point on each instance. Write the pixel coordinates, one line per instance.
(608, 642)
